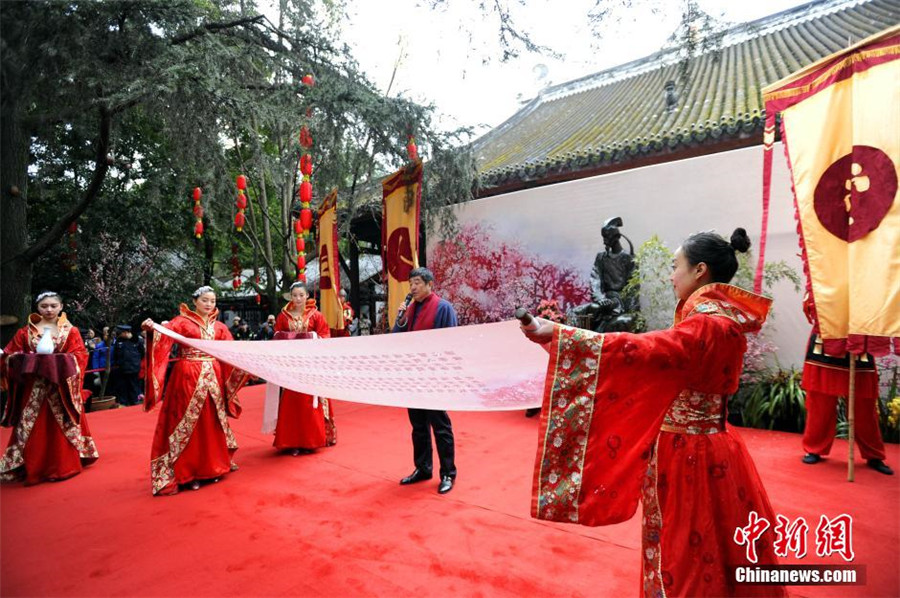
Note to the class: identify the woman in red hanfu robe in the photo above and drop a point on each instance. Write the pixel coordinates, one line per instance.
(193, 440)
(50, 440)
(630, 417)
(302, 427)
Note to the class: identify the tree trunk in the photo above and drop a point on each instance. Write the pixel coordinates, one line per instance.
(267, 231)
(209, 254)
(287, 196)
(16, 255)
(15, 271)
(354, 278)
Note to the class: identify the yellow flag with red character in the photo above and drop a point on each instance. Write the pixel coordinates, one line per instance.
(840, 124)
(329, 266)
(401, 193)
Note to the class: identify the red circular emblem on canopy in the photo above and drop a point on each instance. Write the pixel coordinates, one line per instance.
(855, 193)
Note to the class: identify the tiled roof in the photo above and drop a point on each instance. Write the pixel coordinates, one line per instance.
(620, 115)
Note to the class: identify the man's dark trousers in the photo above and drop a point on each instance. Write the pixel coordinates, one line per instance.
(423, 421)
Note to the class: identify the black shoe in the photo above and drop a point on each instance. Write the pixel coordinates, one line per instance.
(880, 466)
(416, 476)
(811, 458)
(446, 485)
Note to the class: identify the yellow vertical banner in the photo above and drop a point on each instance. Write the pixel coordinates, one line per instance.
(841, 131)
(401, 196)
(329, 264)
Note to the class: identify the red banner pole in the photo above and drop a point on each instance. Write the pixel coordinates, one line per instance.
(768, 146)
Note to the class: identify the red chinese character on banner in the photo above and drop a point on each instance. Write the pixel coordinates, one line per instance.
(835, 535)
(790, 537)
(750, 534)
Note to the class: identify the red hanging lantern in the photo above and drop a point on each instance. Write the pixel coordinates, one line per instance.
(301, 244)
(301, 262)
(73, 228)
(236, 283)
(306, 192)
(241, 182)
(308, 80)
(412, 149)
(239, 221)
(258, 299)
(306, 218)
(301, 277)
(298, 228)
(306, 164)
(198, 229)
(305, 137)
(241, 202)
(198, 211)
(198, 193)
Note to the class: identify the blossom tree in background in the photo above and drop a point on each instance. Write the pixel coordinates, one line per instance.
(487, 278)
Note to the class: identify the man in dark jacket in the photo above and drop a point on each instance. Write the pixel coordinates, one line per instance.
(267, 330)
(126, 359)
(425, 311)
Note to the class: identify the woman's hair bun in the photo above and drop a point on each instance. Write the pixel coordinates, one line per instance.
(739, 240)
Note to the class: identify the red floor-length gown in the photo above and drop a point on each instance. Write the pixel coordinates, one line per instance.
(193, 440)
(51, 439)
(629, 417)
(300, 426)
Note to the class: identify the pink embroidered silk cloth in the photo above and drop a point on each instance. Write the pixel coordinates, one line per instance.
(486, 367)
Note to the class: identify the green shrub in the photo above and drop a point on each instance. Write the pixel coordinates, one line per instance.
(771, 402)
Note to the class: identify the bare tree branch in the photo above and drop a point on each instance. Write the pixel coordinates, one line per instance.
(213, 27)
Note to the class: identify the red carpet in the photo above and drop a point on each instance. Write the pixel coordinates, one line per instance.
(336, 523)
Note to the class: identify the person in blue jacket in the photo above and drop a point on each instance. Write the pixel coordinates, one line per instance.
(424, 310)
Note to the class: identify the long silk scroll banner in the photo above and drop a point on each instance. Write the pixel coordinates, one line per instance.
(487, 367)
(329, 266)
(841, 132)
(401, 193)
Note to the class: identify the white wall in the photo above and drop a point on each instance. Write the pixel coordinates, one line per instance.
(562, 222)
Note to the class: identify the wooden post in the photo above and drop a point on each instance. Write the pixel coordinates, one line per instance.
(851, 416)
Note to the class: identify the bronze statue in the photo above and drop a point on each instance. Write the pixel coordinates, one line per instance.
(609, 311)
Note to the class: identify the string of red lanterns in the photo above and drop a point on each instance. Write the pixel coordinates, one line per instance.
(240, 203)
(303, 223)
(198, 213)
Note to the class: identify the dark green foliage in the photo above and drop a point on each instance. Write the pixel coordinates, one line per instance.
(773, 402)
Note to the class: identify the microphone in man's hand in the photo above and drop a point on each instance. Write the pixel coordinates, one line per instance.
(403, 307)
(527, 320)
(406, 303)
